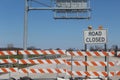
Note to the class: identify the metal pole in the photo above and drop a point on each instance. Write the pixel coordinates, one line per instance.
(105, 46)
(25, 30)
(9, 67)
(107, 60)
(85, 56)
(71, 67)
(25, 25)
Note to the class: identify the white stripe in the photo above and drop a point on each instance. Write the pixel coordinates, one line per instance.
(92, 53)
(39, 52)
(100, 53)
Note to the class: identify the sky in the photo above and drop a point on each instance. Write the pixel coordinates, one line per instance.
(45, 32)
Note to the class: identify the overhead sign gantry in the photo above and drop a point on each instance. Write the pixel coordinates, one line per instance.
(63, 9)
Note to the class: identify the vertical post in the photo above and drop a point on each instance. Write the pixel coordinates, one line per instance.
(9, 67)
(85, 56)
(71, 67)
(105, 47)
(25, 30)
(25, 25)
(107, 60)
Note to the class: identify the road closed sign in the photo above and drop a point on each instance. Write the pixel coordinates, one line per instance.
(95, 36)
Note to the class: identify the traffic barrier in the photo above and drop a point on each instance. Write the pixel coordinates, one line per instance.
(90, 63)
(3, 53)
(90, 73)
(118, 53)
(118, 73)
(52, 71)
(39, 61)
(42, 71)
(90, 53)
(60, 61)
(6, 61)
(41, 52)
(6, 70)
(61, 52)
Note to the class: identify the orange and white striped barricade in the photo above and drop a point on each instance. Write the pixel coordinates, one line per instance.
(118, 53)
(42, 71)
(41, 52)
(118, 73)
(6, 61)
(39, 61)
(90, 73)
(90, 63)
(117, 63)
(6, 70)
(90, 53)
(3, 53)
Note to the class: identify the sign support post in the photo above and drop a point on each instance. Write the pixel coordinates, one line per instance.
(98, 36)
(85, 56)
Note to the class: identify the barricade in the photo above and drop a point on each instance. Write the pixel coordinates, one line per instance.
(58, 61)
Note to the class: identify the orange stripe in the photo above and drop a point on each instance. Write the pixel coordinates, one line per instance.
(112, 73)
(88, 53)
(87, 74)
(79, 53)
(77, 63)
(113, 52)
(40, 61)
(5, 61)
(9, 53)
(105, 53)
(41, 70)
(32, 70)
(85, 63)
(50, 71)
(96, 74)
(27, 52)
(23, 61)
(102, 63)
(19, 52)
(57, 61)
(14, 60)
(105, 74)
(32, 62)
(52, 51)
(60, 51)
(24, 70)
(43, 51)
(111, 64)
(36, 53)
(58, 71)
(69, 63)
(12, 69)
(70, 72)
(71, 53)
(79, 73)
(4, 70)
(49, 61)
(118, 73)
(94, 63)
(96, 53)
(1, 53)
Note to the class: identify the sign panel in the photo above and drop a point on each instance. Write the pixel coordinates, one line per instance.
(95, 36)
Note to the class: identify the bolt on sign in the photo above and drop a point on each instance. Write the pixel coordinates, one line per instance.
(95, 36)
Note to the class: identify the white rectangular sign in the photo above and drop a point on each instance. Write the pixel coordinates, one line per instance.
(95, 36)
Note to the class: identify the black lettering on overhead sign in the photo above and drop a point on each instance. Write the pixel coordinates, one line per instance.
(95, 33)
(95, 39)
